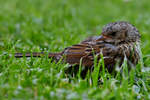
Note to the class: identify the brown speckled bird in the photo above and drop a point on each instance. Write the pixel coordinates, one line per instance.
(117, 41)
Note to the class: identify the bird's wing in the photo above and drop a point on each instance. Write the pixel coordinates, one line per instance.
(87, 50)
(84, 50)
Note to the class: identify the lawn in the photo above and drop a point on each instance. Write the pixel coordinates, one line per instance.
(52, 25)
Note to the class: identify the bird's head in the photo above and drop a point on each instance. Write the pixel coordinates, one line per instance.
(120, 32)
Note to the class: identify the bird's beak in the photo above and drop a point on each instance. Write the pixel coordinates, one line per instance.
(102, 37)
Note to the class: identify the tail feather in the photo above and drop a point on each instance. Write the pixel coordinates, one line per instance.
(34, 54)
(39, 54)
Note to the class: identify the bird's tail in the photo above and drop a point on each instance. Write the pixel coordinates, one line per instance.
(56, 56)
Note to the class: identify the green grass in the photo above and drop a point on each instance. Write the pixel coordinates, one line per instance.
(51, 25)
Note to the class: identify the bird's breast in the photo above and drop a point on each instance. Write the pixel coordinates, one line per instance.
(131, 51)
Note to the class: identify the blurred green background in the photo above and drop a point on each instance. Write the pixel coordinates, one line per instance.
(51, 25)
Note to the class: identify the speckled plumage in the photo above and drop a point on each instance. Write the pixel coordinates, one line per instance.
(117, 41)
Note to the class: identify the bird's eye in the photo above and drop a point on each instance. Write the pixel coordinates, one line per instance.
(113, 34)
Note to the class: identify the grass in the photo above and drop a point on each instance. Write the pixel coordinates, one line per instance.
(51, 25)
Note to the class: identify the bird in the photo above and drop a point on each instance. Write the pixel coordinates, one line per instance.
(118, 41)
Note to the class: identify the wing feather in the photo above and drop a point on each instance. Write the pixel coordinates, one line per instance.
(86, 50)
